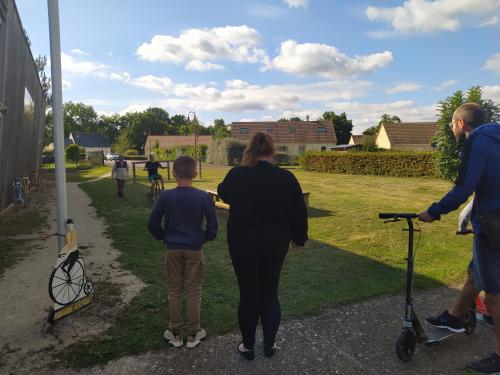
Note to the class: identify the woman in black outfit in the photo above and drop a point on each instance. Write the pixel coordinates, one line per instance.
(267, 214)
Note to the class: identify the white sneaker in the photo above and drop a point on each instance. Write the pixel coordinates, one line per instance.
(194, 341)
(173, 340)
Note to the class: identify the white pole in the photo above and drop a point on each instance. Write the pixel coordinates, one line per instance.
(57, 113)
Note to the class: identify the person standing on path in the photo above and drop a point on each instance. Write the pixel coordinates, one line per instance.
(120, 173)
(267, 214)
(479, 173)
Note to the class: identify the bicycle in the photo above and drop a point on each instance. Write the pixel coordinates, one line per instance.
(27, 187)
(156, 188)
(18, 187)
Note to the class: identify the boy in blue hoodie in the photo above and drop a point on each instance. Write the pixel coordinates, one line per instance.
(183, 211)
(479, 173)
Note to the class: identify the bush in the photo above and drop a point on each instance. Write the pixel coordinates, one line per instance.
(398, 164)
(84, 165)
(281, 159)
(131, 152)
(173, 152)
(225, 151)
(137, 157)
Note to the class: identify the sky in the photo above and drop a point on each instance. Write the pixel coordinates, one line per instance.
(264, 60)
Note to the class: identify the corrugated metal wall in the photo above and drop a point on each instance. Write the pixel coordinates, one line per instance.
(20, 133)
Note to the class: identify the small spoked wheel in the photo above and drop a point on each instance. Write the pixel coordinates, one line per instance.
(88, 287)
(66, 283)
(405, 346)
(470, 322)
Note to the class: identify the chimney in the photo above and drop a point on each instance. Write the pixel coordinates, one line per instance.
(307, 117)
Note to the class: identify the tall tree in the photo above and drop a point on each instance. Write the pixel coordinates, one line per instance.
(448, 158)
(140, 124)
(219, 129)
(343, 126)
(180, 125)
(79, 117)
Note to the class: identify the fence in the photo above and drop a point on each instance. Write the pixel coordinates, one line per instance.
(22, 104)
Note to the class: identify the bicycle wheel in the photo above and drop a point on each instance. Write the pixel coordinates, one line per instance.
(65, 287)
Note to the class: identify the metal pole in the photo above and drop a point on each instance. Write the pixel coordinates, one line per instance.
(57, 109)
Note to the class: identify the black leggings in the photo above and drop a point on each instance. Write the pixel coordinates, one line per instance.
(258, 278)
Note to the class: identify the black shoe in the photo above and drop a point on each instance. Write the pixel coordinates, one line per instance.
(488, 365)
(446, 321)
(249, 355)
(269, 351)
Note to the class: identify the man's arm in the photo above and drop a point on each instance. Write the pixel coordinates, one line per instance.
(461, 192)
(299, 214)
(212, 223)
(155, 219)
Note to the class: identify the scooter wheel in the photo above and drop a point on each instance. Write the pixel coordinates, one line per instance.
(405, 346)
(470, 321)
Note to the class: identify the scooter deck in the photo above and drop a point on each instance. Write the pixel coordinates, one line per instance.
(435, 335)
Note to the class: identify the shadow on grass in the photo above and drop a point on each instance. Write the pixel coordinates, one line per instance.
(314, 212)
(318, 277)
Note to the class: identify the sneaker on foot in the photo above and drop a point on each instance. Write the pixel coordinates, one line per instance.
(174, 340)
(269, 351)
(488, 365)
(446, 321)
(195, 340)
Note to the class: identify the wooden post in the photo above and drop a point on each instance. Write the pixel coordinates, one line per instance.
(199, 168)
(133, 170)
(168, 170)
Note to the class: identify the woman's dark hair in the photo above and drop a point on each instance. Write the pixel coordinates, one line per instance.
(261, 145)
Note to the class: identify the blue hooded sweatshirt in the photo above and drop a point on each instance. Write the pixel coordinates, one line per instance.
(479, 173)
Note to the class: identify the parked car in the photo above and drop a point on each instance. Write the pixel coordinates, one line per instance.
(48, 159)
(111, 157)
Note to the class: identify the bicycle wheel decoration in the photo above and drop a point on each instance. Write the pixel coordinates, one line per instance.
(66, 282)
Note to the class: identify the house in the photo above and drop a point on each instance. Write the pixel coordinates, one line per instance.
(172, 141)
(50, 146)
(362, 139)
(91, 141)
(415, 136)
(291, 137)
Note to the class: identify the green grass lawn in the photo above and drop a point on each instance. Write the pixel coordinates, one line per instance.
(351, 256)
(79, 175)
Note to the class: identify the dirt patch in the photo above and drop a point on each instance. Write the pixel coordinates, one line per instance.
(27, 340)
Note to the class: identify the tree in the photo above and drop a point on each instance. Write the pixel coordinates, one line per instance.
(372, 130)
(219, 129)
(388, 119)
(140, 124)
(41, 64)
(79, 117)
(110, 126)
(342, 125)
(448, 158)
(122, 143)
(180, 125)
(73, 153)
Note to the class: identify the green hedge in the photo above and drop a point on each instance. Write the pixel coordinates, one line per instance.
(131, 152)
(398, 164)
(136, 157)
(173, 153)
(225, 152)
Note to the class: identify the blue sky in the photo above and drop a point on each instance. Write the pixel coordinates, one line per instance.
(244, 60)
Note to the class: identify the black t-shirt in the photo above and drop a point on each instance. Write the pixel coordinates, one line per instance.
(152, 167)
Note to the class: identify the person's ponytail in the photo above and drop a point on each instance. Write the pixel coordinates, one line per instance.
(261, 145)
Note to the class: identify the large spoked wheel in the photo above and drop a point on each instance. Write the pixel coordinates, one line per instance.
(405, 346)
(156, 191)
(470, 322)
(65, 284)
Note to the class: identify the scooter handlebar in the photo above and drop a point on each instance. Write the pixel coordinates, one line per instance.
(397, 216)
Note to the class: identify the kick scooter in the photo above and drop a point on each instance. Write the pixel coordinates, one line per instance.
(412, 331)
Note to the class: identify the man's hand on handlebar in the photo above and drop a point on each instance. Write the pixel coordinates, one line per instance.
(425, 217)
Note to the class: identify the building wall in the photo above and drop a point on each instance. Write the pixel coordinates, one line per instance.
(20, 131)
(382, 140)
(297, 149)
(106, 150)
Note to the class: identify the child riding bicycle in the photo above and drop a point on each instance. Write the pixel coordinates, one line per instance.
(152, 167)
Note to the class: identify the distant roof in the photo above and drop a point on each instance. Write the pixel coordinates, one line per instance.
(362, 139)
(411, 133)
(305, 132)
(90, 139)
(67, 142)
(169, 141)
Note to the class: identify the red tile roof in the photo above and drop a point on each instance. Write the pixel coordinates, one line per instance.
(303, 132)
(411, 133)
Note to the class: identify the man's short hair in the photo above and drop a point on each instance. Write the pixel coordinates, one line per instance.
(185, 167)
(471, 113)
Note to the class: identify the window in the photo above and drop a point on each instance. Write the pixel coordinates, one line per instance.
(243, 130)
(282, 149)
(321, 130)
(291, 130)
(269, 130)
(323, 148)
(302, 149)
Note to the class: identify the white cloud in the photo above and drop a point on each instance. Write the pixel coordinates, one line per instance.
(200, 47)
(325, 61)
(493, 63)
(66, 85)
(201, 66)
(77, 51)
(425, 16)
(116, 76)
(492, 92)
(297, 3)
(83, 68)
(490, 22)
(445, 84)
(162, 85)
(404, 87)
(265, 11)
